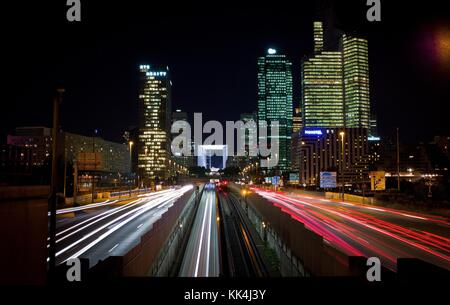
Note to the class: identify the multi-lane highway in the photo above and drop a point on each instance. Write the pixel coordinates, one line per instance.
(367, 230)
(202, 257)
(110, 228)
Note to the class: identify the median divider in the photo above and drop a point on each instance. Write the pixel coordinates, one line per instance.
(317, 257)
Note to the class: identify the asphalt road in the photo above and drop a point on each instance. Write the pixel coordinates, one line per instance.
(369, 231)
(112, 228)
(202, 257)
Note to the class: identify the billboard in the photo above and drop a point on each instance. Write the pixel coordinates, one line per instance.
(327, 180)
(294, 178)
(313, 132)
(89, 161)
(378, 181)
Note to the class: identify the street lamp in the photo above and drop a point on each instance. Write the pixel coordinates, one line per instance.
(342, 134)
(131, 143)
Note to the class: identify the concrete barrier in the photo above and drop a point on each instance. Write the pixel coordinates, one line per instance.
(23, 232)
(350, 197)
(318, 258)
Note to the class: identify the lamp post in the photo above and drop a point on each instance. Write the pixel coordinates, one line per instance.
(130, 144)
(95, 163)
(54, 184)
(342, 134)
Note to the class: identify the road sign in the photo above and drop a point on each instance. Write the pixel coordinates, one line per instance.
(275, 180)
(294, 178)
(327, 180)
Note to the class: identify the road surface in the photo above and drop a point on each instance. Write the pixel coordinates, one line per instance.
(202, 257)
(96, 232)
(369, 231)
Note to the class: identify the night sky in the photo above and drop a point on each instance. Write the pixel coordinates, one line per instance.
(211, 50)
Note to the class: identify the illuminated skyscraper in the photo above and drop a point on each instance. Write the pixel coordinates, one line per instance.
(154, 124)
(335, 84)
(275, 100)
(318, 37)
(356, 81)
(297, 120)
(322, 91)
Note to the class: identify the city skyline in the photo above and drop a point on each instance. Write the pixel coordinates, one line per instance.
(257, 144)
(230, 57)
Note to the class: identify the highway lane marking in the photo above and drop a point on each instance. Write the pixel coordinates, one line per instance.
(139, 211)
(139, 226)
(209, 238)
(110, 223)
(100, 216)
(375, 209)
(201, 241)
(110, 250)
(413, 216)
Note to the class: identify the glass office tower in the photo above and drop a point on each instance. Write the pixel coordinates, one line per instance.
(275, 101)
(154, 124)
(322, 91)
(356, 81)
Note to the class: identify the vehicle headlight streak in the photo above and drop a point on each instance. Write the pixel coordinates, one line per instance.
(380, 226)
(134, 214)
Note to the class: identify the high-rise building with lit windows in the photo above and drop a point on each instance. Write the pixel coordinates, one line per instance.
(322, 90)
(356, 81)
(275, 101)
(154, 124)
(335, 84)
(318, 37)
(297, 120)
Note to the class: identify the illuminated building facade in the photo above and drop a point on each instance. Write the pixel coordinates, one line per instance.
(318, 37)
(322, 91)
(275, 101)
(321, 150)
(335, 84)
(178, 158)
(154, 124)
(356, 81)
(297, 120)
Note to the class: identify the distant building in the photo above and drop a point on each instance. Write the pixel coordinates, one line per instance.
(297, 120)
(373, 126)
(275, 101)
(30, 149)
(15, 163)
(213, 157)
(154, 124)
(250, 133)
(335, 84)
(295, 150)
(318, 37)
(38, 139)
(322, 91)
(115, 157)
(321, 150)
(185, 161)
(355, 62)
